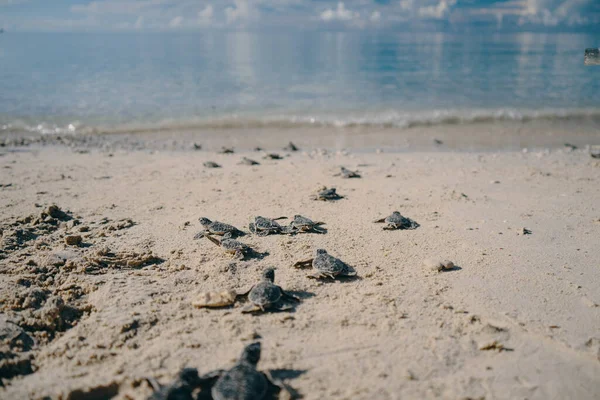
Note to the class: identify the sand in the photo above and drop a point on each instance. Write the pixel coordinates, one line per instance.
(517, 317)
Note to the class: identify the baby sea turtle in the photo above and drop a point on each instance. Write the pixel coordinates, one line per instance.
(264, 226)
(291, 147)
(211, 164)
(226, 150)
(326, 266)
(218, 228)
(244, 381)
(248, 161)
(397, 221)
(303, 224)
(181, 388)
(272, 156)
(327, 194)
(232, 246)
(268, 296)
(346, 173)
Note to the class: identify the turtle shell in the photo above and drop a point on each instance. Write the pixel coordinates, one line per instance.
(220, 228)
(302, 222)
(324, 262)
(401, 221)
(264, 294)
(264, 224)
(232, 244)
(242, 382)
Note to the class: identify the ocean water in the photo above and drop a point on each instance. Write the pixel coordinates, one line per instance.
(57, 82)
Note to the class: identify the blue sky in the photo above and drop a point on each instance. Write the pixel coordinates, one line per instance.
(181, 15)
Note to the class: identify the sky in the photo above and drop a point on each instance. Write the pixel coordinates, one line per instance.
(268, 15)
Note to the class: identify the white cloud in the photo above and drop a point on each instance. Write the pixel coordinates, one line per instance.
(205, 16)
(407, 4)
(341, 13)
(116, 6)
(240, 12)
(554, 12)
(438, 11)
(375, 16)
(176, 22)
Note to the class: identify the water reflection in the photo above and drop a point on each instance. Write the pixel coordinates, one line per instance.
(158, 76)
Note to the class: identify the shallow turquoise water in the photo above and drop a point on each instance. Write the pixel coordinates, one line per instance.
(52, 82)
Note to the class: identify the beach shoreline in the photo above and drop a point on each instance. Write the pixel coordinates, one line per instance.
(475, 136)
(518, 318)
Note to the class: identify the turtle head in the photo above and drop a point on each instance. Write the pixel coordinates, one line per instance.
(205, 221)
(269, 274)
(320, 252)
(396, 213)
(251, 354)
(189, 376)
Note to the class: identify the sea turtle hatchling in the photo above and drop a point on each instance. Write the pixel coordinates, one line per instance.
(346, 173)
(248, 161)
(268, 296)
(226, 150)
(218, 228)
(272, 156)
(211, 164)
(327, 194)
(264, 226)
(397, 221)
(303, 224)
(232, 246)
(326, 266)
(181, 388)
(291, 147)
(243, 381)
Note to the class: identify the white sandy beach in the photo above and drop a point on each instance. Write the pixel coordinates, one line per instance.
(518, 319)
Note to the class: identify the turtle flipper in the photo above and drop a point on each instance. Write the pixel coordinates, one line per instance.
(156, 387)
(285, 391)
(212, 239)
(251, 308)
(348, 271)
(252, 227)
(289, 297)
(211, 377)
(316, 275)
(239, 254)
(379, 221)
(304, 263)
(200, 235)
(282, 306)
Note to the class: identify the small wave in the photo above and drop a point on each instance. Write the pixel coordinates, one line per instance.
(385, 119)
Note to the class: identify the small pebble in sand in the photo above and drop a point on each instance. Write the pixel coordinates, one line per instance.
(73, 240)
(435, 264)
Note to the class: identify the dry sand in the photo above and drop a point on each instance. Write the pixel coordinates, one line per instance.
(518, 318)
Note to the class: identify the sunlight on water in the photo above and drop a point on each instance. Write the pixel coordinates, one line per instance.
(70, 82)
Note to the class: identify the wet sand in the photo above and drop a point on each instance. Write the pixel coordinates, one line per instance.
(519, 316)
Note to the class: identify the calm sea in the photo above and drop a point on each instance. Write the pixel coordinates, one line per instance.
(71, 82)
